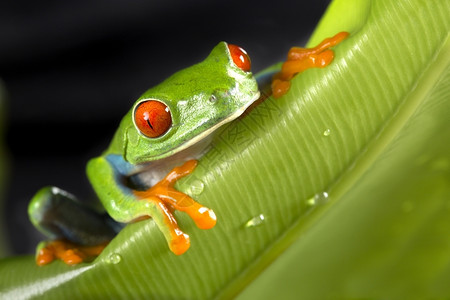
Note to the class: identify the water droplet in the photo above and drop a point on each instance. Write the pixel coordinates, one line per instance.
(321, 198)
(255, 221)
(327, 132)
(407, 206)
(317, 199)
(114, 258)
(311, 201)
(197, 187)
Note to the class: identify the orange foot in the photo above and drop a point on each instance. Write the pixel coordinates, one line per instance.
(301, 59)
(164, 197)
(68, 252)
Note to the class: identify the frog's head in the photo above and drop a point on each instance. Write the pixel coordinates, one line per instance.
(190, 105)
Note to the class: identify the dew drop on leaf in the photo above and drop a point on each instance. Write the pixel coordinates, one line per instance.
(114, 258)
(196, 187)
(317, 199)
(327, 132)
(321, 198)
(255, 221)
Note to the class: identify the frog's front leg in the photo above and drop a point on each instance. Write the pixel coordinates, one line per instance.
(125, 204)
(301, 59)
(203, 217)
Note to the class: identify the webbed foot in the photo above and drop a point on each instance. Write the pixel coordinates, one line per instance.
(66, 251)
(301, 59)
(163, 197)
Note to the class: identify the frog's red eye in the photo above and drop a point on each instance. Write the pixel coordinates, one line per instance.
(240, 57)
(152, 118)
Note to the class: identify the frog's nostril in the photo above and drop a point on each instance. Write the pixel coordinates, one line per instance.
(213, 99)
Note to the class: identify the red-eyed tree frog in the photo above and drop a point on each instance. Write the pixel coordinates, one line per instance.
(157, 143)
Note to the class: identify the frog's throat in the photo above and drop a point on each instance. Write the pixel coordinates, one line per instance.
(205, 133)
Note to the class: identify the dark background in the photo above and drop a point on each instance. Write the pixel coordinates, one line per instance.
(72, 69)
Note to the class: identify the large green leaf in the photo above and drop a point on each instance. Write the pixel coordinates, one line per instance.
(341, 188)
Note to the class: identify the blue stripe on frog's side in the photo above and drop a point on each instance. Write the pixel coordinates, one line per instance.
(120, 165)
(126, 175)
(121, 169)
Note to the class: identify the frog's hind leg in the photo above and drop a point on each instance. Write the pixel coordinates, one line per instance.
(78, 231)
(301, 59)
(66, 251)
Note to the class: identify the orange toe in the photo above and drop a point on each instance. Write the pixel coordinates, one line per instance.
(180, 243)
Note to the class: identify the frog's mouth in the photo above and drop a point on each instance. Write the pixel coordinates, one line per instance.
(207, 132)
